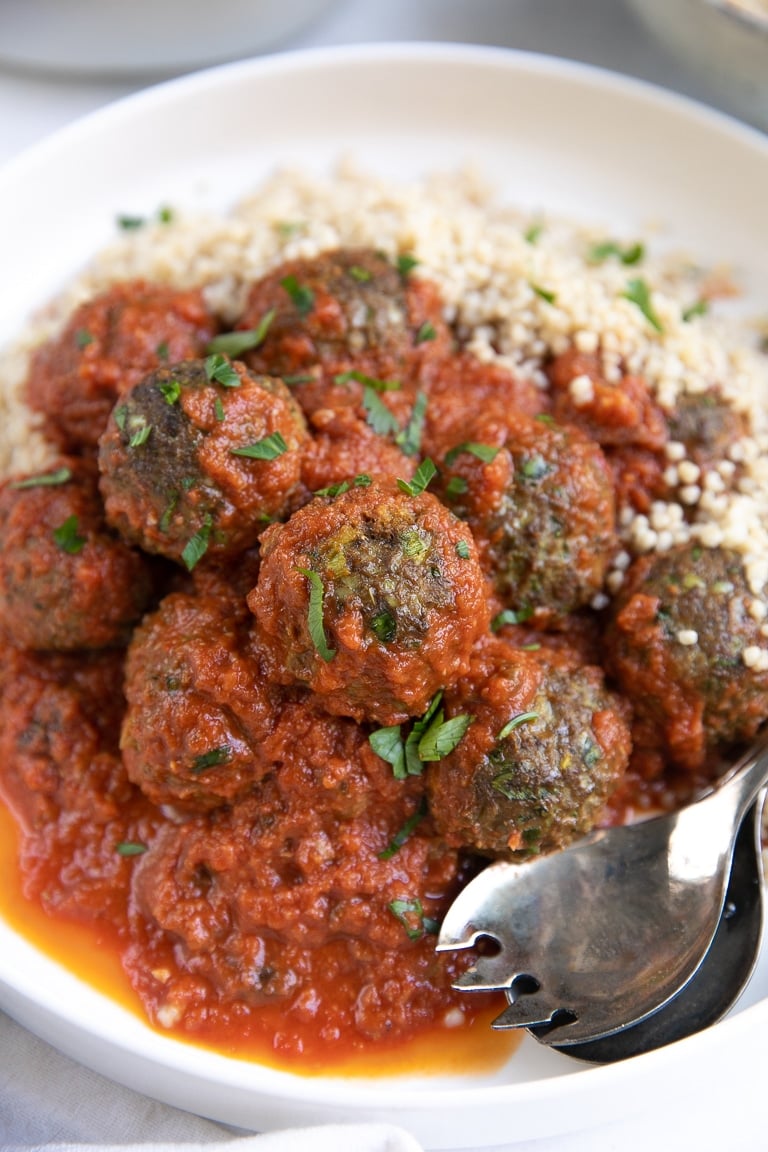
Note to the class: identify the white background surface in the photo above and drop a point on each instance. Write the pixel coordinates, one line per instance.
(46, 1098)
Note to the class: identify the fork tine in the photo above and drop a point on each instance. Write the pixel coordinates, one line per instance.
(488, 974)
(525, 1012)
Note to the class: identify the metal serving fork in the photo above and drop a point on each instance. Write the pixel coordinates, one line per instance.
(596, 938)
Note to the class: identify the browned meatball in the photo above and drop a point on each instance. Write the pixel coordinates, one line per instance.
(66, 581)
(539, 499)
(372, 599)
(679, 644)
(197, 458)
(546, 747)
(198, 704)
(343, 325)
(109, 344)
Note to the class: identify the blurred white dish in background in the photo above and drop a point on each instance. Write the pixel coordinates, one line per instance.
(722, 43)
(145, 37)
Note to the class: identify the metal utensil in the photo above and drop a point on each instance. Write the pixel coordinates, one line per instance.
(599, 936)
(719, 980)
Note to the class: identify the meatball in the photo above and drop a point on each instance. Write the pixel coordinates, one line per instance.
(372, 599)
(680, 643)
(707, 425)
(341, 317)
(198, 705)
(109, 344)
(66, 581)
(540, 501)
(265, 900)
(547, 745)
(197, 458)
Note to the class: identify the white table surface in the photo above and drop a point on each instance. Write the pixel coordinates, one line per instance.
(32, 105)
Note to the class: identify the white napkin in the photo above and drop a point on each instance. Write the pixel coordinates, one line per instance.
(50, 1103)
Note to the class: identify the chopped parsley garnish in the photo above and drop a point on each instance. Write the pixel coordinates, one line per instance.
(130, 848)
(83, 338)
(45, 480)
(485, 452)
(409, 440)
(163, 351)
(411, 915)
(212, 759)
(510, 616)
(268, 448)
(515, 722)
(422, 477)
(219, 371)
(384, 626)
(638, 292)
(431, 738)
(544, 293)
(456, 486)
(361, 481)
(377, 415)
(68, 538)
(533, 234)
(299, 378)
(218, 409)
(462, 550)
(140, 432)
(131, 223)
(698, 308)
(602, 251)
(362, 275)
(120, 415)
(426, 332)
(315, 614)
(303, 298)
(235, 343)
(405, 263)
(405, 832)
(197, 546)
(535, 468)
(367, 381)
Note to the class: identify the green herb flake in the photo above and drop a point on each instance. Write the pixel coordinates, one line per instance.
(515, 722)
(442, 736)
(362, 275)
(367, 381)
(212, 759)
(218, 409)
(411, 915)
(68, 538)
(510, 616)
(405, 263)
(422, 477)
(456, 486)
(698, 308)
(302, 297)
(534, 468)
(315, 614)
(83, 338)
(405, 832)
(426, 332)
(384, 626)
(532, 235)
(197, 546)
(140, 432)
(462, 550)
(130, 223)
(44, 480)
(485, 452)
(298, 378)
(130, 848)
(234, 344)
(268, 448)
(638, 293)
(219, 371)
(388, 744)
(165, 214)
(162, 351)
(409, 440)
(544, 293)
(377, 415)
(120, 415)
(632, 254)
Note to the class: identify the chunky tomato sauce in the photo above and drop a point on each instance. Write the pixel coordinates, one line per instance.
(298, 639)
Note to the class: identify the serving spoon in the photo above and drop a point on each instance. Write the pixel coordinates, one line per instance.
(719, 980)
(599, 936)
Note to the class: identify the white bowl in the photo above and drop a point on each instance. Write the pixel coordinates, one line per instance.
(555, 137)
(722, 44)
(145, 37)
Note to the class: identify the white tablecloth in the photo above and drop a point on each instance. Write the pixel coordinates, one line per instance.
(48, 1101)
